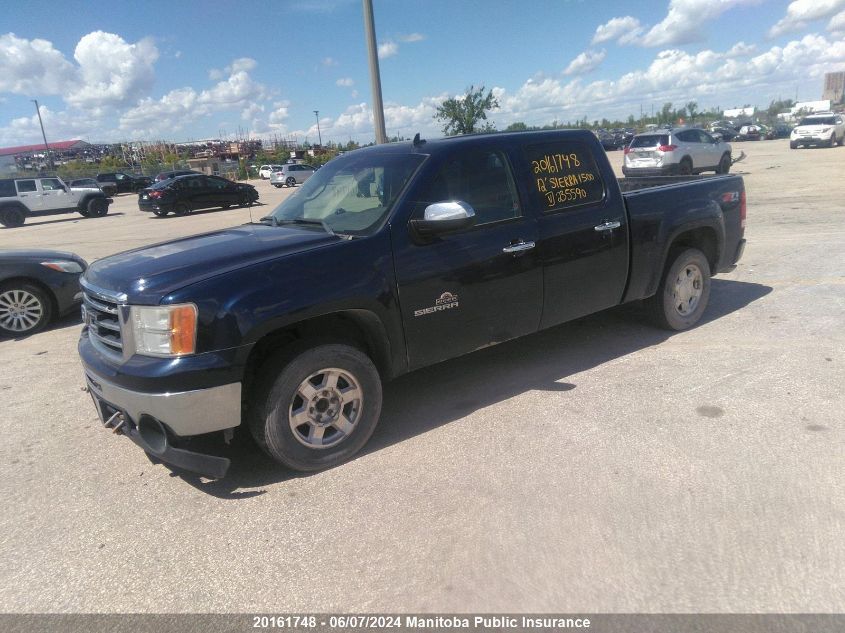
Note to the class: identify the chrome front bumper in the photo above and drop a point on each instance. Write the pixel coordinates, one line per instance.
(183, 412)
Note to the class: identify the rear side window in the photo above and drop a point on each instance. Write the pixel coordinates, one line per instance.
(650, 140)
(563, 175)
(25, 186)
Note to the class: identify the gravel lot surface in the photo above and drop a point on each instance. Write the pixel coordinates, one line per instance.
(601, 466)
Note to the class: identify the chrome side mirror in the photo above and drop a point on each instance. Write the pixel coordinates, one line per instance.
(443, 217)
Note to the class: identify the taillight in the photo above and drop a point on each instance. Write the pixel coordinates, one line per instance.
(155, 194)
(667, 148)
(742, 210)
(627, 150)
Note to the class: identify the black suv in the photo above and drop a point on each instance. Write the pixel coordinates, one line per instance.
(118, 182)
(184, 194)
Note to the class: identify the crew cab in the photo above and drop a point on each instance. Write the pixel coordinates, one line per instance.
(21, 198)
(388, 259)
(118, 182)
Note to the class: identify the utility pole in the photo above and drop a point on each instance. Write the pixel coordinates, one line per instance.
(375, 77)
(43, 135)
(319, 136)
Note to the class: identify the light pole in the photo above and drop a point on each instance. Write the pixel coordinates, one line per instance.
(375, 77)
(43, 135)
(319, 136)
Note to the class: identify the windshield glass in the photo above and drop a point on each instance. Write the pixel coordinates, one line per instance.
(351, 194)
(817, 120)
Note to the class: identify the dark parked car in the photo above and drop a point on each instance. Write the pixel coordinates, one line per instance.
(167, 175)
(35, 287)
(725, 133)
(184, 194)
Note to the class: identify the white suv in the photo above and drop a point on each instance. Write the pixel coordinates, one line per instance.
(265, 170)
(25, 197)
(822, 128)
(681, 151)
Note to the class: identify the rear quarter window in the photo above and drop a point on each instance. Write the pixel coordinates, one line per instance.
(7, 189)
(563, 175)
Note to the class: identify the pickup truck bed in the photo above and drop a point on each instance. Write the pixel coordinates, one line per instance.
(388, 259)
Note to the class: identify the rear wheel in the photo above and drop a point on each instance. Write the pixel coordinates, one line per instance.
(724, 164)
(24, 309)
(182, 209)
(685, 168)
(160, 212)
(317, 407)
(245, 201)
(12, 217)
(97, 208)
(291, 181)
(683, 292)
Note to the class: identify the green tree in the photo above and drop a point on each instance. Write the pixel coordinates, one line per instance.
(518, 126)
(462, 115)
(110, 163)
(666, 112)
(692, 108)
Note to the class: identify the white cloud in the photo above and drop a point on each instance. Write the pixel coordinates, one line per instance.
(684, 21)
(800, 12)
(345, 82)
(64, 126)
(329, 61)
(411, 37)
(112, 71)
(387, 49)
(741, 49)
(625, 30)
(837, 23)
(585, 62)
(33, 67)
(241, 64)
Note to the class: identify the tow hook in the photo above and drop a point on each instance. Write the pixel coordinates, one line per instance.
(111, 421)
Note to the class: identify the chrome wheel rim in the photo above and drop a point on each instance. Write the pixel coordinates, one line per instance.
(325, 408)
(20, 311)
(687, 289)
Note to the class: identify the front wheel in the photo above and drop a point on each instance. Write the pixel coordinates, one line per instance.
(683, 292)
(97, 208)
(316, 408)
(793, 145)
(24, 309)
(724, 165)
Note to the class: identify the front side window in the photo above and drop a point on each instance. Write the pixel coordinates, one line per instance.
(51, 184)
(482, 179)
(25, 186)
(564, 175)
(352, 195)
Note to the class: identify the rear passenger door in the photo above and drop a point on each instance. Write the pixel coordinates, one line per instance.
(465, 290)
(29, 194)
(583, 232)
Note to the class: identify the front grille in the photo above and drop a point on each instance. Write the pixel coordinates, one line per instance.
(103, 321)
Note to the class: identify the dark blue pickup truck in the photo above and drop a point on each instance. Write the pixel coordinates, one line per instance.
(388, 259)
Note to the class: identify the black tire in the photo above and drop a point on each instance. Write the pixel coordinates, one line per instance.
(278, 186)
(245, 202)
(842, 140)
(84, 213)
(667, 306)
(97, 208)
(12, 217)
(38, 304)
(160, 212)
(278, 391)
(685, 167)
(290, 182)
(225, 205)
(181, 209)
(832, 141)
(724, 165)
(793, 145)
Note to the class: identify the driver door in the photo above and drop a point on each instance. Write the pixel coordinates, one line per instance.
(53, 195)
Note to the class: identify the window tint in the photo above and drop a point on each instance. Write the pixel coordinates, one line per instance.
(195, 183)
(51, 184)
(650, 140)
(120, 176)
(217, 183)
(7, 188)
(705, 137)
(482, 179)
(564, 175)
(26, 186)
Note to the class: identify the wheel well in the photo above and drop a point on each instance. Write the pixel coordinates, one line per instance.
(359, 328)
(704, 239)
(35, 282)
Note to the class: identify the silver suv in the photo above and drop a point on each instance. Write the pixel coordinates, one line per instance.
(682, 151)
(290, 175)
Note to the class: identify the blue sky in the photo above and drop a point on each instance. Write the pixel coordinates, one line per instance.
(189, 70)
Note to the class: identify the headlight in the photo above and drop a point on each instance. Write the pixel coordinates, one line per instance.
(63, 266)
(167, 331)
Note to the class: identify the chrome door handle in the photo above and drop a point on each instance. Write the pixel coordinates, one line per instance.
(519, 247)
(608, 225)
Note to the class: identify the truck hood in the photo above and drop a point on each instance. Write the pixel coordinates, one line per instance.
(146, 275)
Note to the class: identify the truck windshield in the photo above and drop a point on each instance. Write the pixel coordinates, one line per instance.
(351, 194)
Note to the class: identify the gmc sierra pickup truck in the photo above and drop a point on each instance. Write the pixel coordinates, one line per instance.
(388, 259)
